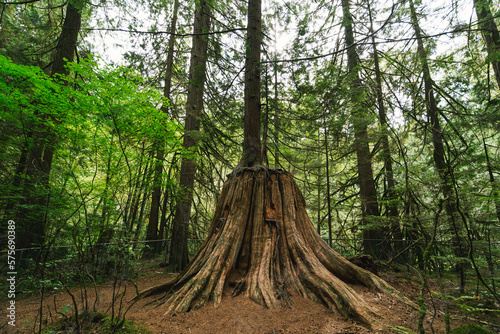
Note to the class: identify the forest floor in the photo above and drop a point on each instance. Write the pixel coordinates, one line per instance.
(235, 315)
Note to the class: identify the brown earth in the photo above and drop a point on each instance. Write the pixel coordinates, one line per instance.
(233, 315)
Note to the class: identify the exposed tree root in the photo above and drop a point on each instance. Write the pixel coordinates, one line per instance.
(263, 243)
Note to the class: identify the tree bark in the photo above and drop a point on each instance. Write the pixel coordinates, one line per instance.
(194, 106)
(491, 36)
(152, 229)
(252, 153)
(262, 243)
(32, 219)
(276, 119)
(328, 192)
(372, 237)
(494, 187)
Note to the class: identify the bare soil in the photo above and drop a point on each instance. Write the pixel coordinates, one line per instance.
(233, 315)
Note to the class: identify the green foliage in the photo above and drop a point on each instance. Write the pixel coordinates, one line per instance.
(475, 304)
(93, 322)
(401, 329)
(107, 121)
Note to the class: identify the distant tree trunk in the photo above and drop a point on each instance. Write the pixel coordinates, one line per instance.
(252, 154)
(106, 231)
(372, 237)
(164, 219)
(494, 186)
(142, 199)
(491, 36)
(32, 219)
(442, 167)
(392, 207)
(495, 192)
(134, 205)
(318, 209)
(152, 229)
(194, 105)
(328, 192)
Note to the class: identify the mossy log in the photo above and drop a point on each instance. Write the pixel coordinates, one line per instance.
(263, 244)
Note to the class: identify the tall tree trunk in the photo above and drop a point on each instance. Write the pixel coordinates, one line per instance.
(328, 192)
(152, 229)
(442, 167)
(318, 208)
(32, 219)
(276, 119)
(266, 123)
(494, 187)
(495, 192)
(372, 237)
(194, 105)
(491, 36)
(252, 154)
(163, 221)
(391, 197)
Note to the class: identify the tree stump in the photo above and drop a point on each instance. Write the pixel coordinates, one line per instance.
(263, 244)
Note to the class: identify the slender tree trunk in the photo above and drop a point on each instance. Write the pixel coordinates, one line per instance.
(318, 209)
(152, 229)
(496, 193)
(163, 221)
(145, 196)
(372, 237)
(106, 231)
(494, 186)
(392, 207)
(32, 221)
(132, 205)
(439, 154)
(328, 193)
(252, 154)
(491, 36)
(194, 105)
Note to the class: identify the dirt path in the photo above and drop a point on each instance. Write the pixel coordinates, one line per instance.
(233, 315)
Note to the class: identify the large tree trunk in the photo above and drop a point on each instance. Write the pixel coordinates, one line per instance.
(372, 237)
(194, 105)
(262, 243)
(32, 221)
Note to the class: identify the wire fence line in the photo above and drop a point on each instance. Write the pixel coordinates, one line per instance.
(441, 242)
